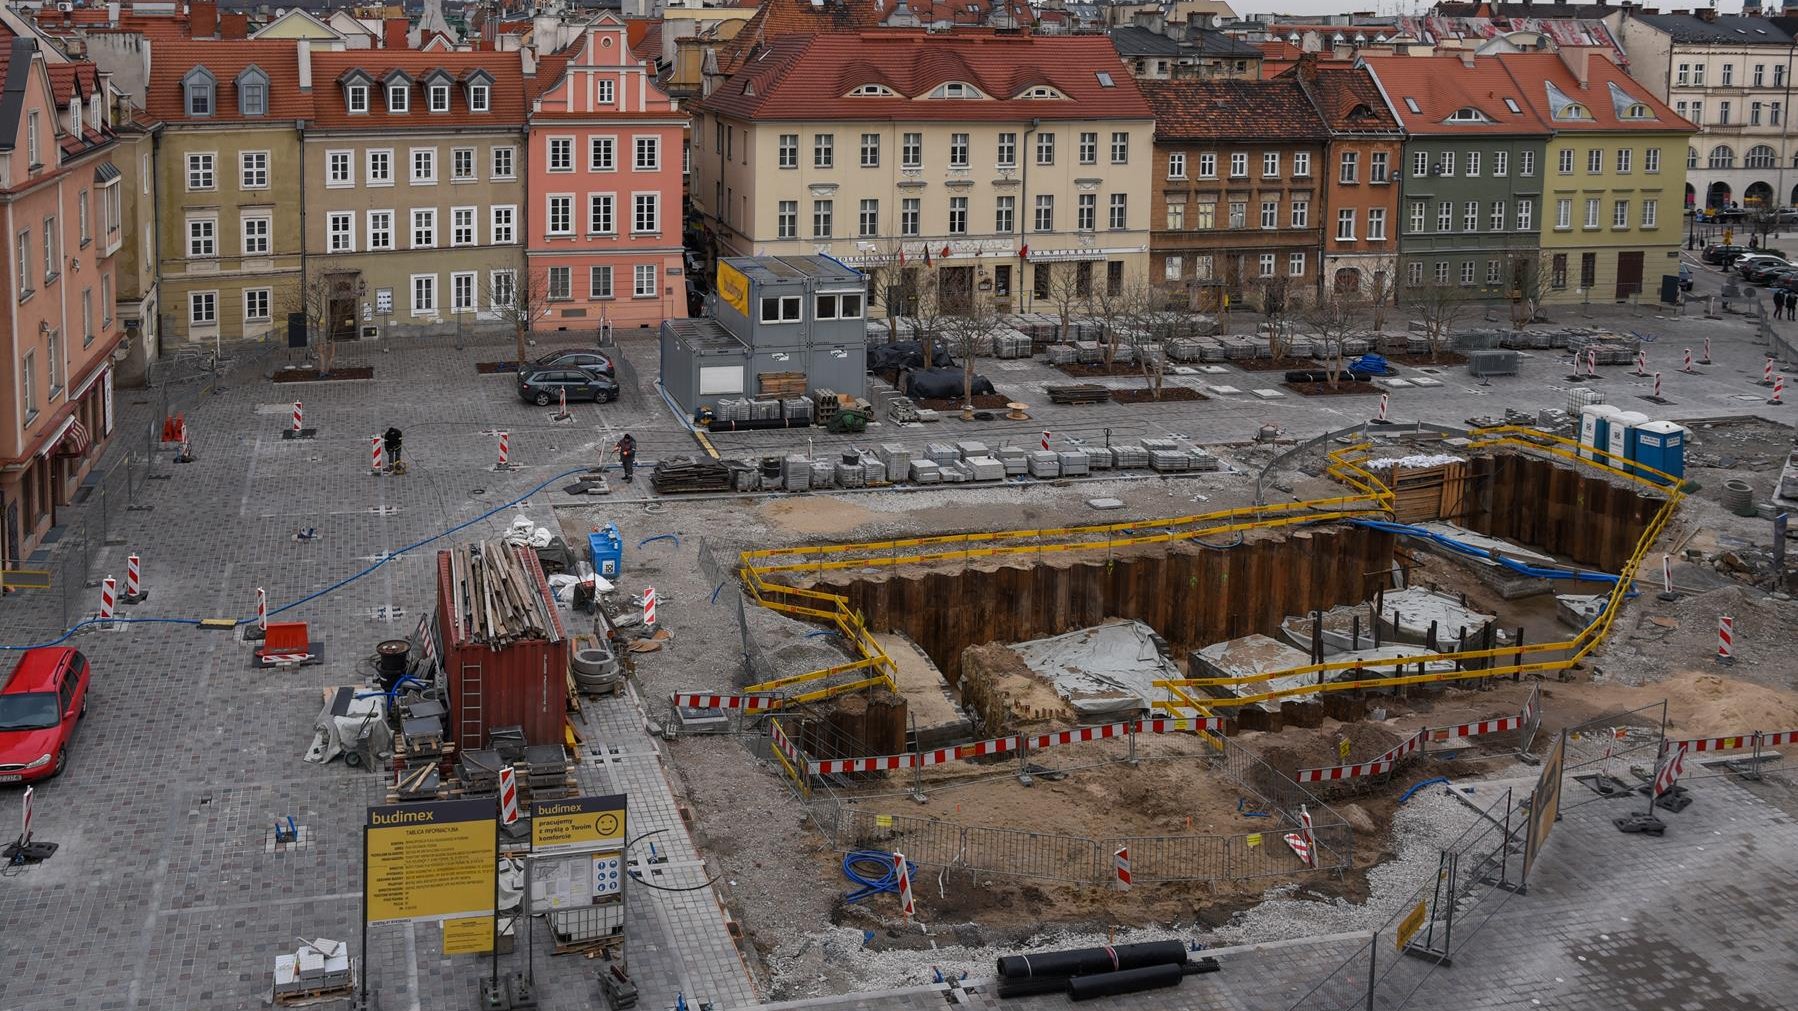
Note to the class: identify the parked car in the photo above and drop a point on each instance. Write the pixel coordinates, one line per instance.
(581, 358)
(1758, 269)
(544, 386)
(39, 706)
(1721, 254)
(1685, 277)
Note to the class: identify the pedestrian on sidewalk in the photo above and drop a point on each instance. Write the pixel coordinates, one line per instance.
(627, 455)
(390, 442)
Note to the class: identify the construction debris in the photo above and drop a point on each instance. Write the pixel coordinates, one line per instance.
(496, 596)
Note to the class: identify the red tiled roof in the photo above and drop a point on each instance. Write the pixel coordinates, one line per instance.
(776, 19)
(1442, 85)
(1233, 110)
(279, 59)
(646, 44)
(809, 77)
(1532, 73)
(508, 96)
(1349, 99)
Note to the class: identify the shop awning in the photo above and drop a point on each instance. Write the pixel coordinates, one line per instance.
(76, 441)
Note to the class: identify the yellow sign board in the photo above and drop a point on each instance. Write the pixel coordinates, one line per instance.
(883, 821)
(1410, 925)
(733, 287)
(1254, 839)
(577, 825)
(1342, 749)
(471, 935)
(434, 861)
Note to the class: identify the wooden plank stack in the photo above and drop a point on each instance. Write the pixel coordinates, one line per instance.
(689, 474)
(1078, 393)
(495, 596)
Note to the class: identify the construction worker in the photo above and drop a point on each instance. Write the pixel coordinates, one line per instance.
(627, 455)
(390, 440)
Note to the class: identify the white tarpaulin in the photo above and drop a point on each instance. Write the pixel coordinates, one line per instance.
(1110, 668)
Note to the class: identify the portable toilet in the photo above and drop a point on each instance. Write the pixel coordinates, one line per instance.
(1594, 427)
(607, 550)
(1622, 437)
(1662, 445)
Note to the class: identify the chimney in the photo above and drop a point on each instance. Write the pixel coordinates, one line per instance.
(203, 18)
(1707, 14)
(393, 32)
(1307, 67)
(1578, 60)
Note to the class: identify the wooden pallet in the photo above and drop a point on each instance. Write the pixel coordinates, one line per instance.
(591, 948)
(295, 998)
(1083, 393)
(780, 384)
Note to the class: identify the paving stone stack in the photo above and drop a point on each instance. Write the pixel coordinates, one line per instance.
(1016, 460)
(897, 460)
(926, 472)
(1044, 464)
(1073, 462)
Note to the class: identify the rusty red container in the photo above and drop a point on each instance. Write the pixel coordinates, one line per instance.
(523, 683)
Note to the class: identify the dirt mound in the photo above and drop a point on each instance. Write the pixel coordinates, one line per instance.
(1320, 748)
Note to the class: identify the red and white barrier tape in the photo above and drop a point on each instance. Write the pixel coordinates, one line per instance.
(751, 703)
(1006, 745)
(1383, 764)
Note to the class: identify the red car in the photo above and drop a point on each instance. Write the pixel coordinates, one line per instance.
(39, 706)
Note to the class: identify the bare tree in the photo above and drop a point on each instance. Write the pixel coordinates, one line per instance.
(1160, 311)
(519, 298)
(1119, 314)
(1532, 279)
(1381, 290)
(1439, 307)
(1276, 302)
(1336, 316)
(921, 294)
(312, 298)
(969, 334)
(1068, 292)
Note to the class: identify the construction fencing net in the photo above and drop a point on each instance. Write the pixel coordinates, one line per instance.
(1609, 756)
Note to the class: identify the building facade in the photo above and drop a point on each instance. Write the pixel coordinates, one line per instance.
(414, 193)
(606, 164)
(1471, 187)
(1732, 77)
(229, 173)
(1612, 179)
(1013, 170)
(1238, 192)
(60, 196)
(1361, 180)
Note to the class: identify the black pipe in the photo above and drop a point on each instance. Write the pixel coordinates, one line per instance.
(1107, 984)
(754, 425)
(1092, 960)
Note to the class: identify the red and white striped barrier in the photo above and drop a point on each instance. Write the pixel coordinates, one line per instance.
(1657, 386)
(25, 821)
(1641, 363)
(1767, 373)
(1498, 726)
(1591, 363)
(785, 744)
(1383, 403)
(1779, 391)
(903, 871)
(1726, 640)
(284, 659)
(1299, 846)
(375, 454)
(134, 580)
(649, 605)
(1385, 763)
(1738, 742)
(297, 415)
(109, 592)
(562, 402)
(508, 795)
(261, 609)
(1045, 442)
(844, 766)
(1687, 367)
(427, 644)
(1707, 352)
(965, 752)
(1006, 745)
(1667, 573)
(1670, 770)
(1309, 834)
(505, 450)
(1121, 860)
(747, 703)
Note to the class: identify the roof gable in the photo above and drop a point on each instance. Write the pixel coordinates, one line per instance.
(1275, 109)
(297, 23)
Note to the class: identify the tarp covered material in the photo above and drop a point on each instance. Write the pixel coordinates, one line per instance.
(932, 384)
(1103, 670)
(905, 355)
(362, 719)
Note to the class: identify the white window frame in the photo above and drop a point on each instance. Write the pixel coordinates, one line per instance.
(264, 296)
(209, 298)
(474, 172)
(265, 239)
(1376, 224)
(502, 288)
(655, 211)
(473, 301)
(438, 98)
(458, 217)
(1176, 165)
(654, 149)
(558, 154)
(369, 175)
(608, 201)
(550, 203)
(412, 290)
(374, 240)
(340, 169)
(340, 232)
(507, 153)
(250, 177)
(422, 219)
(202, 171)
(193, 239)
(412, 160)
(594, 290)
(602, 153)
(640, 272)
(502, 233)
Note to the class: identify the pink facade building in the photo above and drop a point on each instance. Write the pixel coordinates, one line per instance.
(60, 200)
(604, 216)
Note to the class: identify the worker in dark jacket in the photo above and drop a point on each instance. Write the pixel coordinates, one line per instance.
(390, 441)
(627, 455)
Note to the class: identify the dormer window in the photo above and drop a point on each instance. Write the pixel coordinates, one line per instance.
(872, 91)
(1042, 91)
(1637, 111)
(439, 98)
(1468, 115)
(356, 98)
(198, 89)
(399, 97)
(252, 92)
(1573, 110)
(477, 98)
(956, 89)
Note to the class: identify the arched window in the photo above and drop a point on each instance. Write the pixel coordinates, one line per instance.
(1692, 158)
(1722, 156)
(1759, 156)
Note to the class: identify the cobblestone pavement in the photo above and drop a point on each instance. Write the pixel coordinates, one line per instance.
(165, 894)
(1702, 918)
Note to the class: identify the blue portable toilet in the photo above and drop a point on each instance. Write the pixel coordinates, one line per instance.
(607, 550)
(1662, 445)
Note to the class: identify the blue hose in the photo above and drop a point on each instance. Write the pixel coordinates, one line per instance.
(1462, 547)
(888, 881)
(1418, 786)
(660, 537)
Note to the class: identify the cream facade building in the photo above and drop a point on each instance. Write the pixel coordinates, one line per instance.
(985, 168)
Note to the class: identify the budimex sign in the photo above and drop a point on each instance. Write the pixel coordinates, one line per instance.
(733, 287)
(433, 861)
(577, 825)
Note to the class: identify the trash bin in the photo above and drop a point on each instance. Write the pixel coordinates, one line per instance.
(607, 550)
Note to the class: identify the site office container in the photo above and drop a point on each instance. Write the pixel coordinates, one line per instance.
(523, 683)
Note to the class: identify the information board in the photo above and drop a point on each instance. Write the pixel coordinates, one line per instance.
(577, 825)
(430, 861)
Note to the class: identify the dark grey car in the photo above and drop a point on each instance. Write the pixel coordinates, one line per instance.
(545, 386)
(580, 358)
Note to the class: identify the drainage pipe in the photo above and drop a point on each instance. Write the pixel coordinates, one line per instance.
(1106, 984)
(1092, 960)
